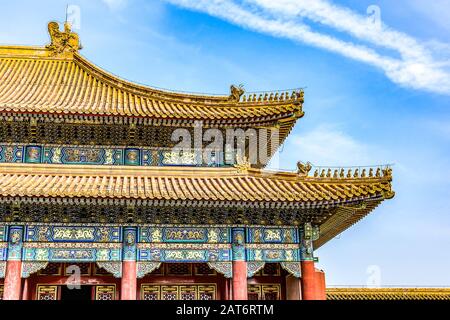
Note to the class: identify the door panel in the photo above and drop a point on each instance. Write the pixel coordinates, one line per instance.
(178, 292)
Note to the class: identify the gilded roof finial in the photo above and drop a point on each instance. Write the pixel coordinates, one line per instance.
(242, 164)
(62, 41)
(387, 172)
(236, 92)
(303, 169)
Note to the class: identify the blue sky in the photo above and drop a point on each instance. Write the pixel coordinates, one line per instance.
(360, 110)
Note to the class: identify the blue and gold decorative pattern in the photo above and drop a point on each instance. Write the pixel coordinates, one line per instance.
(238, 244)
(225, 268)
(272, 235)
(146, 157)
(30, 267)
(190, 158)
(273, 255)
(3, 233)
(132, 157)
(98, 155)
(253, 267)
(72, 254)
(11, 153)
(79, 155)
(129, 243)
(3, 243)
(33, 154)
(43, 233)
(308, 234)
(113, 267)
(183, 255)
(144, 268)
(170, 243)
(15, 241)
(3, 251)
(294, 268)
(184, 234)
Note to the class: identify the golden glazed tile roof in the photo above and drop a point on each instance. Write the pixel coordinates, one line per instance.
(339, 201)
(388, 293)
(182, 183)
(58, 80)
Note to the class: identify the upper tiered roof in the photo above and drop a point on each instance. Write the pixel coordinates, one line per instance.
(56, 79)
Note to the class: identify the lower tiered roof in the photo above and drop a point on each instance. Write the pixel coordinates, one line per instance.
(340, 201)
(388, 293)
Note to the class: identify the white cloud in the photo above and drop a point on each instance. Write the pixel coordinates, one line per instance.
(413, 65)
(437, 16)
(116, 4)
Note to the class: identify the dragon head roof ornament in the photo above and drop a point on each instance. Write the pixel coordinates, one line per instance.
(242, 164)
(303, 169)
(62, 41)
(236, 92)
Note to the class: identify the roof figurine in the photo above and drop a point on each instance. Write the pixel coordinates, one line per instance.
(62, 41)
(236, 92)
(303, 169)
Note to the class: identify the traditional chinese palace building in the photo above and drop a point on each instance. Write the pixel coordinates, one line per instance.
(92, 191)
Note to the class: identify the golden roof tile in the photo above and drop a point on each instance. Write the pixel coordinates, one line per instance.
(174, 183)
(388, 293)
(203, 184)
(57, 80)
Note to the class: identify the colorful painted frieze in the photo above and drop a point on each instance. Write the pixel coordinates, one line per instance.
(96, 155)
(72, 254)
(3, 233)
(3, 251)
(15, 242)
(184, 255)
(184, 234)
(42, 233)
(272, 235)
(3, 242)
(273, 255)
(11, 153)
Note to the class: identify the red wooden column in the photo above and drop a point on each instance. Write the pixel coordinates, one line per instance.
(129, 280)
(239, 265)
(293, 288)
(321, 293)
(25, 291)
(240, 280)
(309, 287)
(128, 284)
(309, 233)
(13, 281)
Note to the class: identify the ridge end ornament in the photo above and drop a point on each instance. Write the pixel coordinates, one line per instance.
(236, 92)
(303, 169)
(242, 164)
(62, 41)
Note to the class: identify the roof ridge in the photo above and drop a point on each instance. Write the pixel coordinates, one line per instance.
(124, 170)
